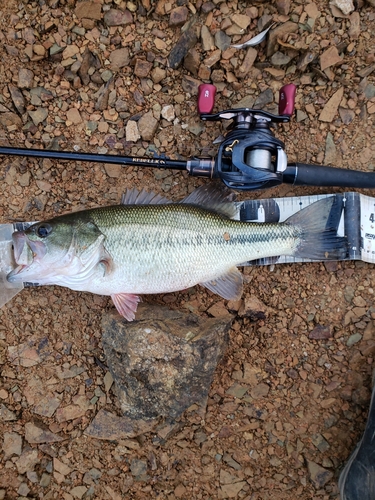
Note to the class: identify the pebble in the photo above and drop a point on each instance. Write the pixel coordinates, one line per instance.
(330, 154)
(17, 98)
(207, 39)
(147, 126)
(25, 78)
(222, 40)
(168, 112)
(318, 475)
(132, 132)
(178, 16)
(330, 109)
(73, 116)
(88, 10)
(116, 17)
(39, 115)
(330, 58)
(353, 339)
(187, 40)
(27, 461)
(12, 444)
(119, 58)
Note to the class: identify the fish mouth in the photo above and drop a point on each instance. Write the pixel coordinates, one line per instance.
(26, 253)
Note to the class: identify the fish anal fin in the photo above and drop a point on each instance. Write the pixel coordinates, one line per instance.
(229, 285)
(126, 304)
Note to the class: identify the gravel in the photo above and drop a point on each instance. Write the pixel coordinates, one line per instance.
(289, 400)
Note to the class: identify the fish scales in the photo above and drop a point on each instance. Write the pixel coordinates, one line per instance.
(158, 248)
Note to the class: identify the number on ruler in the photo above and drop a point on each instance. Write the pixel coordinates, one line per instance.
(372, 218)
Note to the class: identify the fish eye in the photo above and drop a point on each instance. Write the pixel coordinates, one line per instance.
(44, 230)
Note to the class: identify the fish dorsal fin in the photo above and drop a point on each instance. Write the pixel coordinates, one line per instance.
(229, 285)
(213, 197)
(135, 197)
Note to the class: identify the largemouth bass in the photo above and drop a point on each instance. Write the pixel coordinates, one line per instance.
(148, 245)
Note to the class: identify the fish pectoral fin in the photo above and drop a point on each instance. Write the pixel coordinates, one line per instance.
(229, 285)
(126, 304)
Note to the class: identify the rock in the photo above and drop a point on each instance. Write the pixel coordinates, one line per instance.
(36, 435)
(192, 61)
(241, 20)
(115, 17)
(283, 7)
(88, 10)
(27, 461)
(232, 490)
(158, 74)
(73, 116)
(110, 427)
(168, 112)
(9, 119)
(278, 33)
(207, 39)
(25, 78)
(164, 363)
(318, 475)
(346, 6)
(264, 98)
(39, 115)
(6, 415)
(355, 26)
(119, 58)
(142, 68)
(17, 98)
(330, 58)
(353, 339)
(321, 332)
(187, 41)
(330, 154)
(132, 132)
(248, 62)
(280, 59)
(89, 60)
(147, 126)
(346, 115)
(253, 308)
(113, 170)
(222, 40)
(12, 445)
(330, 109)
(259, 391)
(138, 467)
(190, 85)
(178, 16)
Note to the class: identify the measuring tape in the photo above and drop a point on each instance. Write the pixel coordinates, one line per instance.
(352, 216)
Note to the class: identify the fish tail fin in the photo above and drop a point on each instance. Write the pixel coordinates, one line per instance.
(318, 239)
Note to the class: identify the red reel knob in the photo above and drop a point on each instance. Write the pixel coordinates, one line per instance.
(287, 98)
(206, 98)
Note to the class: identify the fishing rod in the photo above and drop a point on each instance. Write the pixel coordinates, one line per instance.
(249, 157)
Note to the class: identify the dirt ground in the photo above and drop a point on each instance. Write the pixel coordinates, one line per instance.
(285, 409)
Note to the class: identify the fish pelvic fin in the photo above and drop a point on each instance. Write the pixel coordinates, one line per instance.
(229, 285)
(126, 304)
(318, 239)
